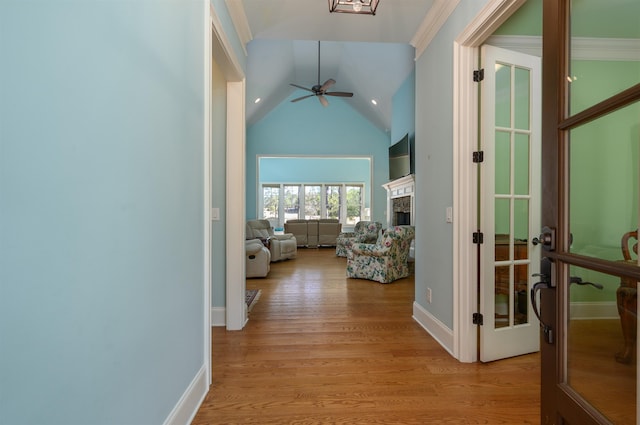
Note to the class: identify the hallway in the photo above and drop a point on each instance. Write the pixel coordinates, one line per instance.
(323, 349)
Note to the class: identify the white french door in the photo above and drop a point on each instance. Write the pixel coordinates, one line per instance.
(509, 207)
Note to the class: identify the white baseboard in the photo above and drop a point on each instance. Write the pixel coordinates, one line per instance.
(186, 409)
(594, 310)
(218, 316)
(434, 327)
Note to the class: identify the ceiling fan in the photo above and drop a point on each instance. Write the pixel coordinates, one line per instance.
(321, 90)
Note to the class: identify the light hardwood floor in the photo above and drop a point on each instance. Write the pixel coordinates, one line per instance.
(323, 349)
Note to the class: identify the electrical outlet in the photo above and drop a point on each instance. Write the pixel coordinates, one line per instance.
(429, 295)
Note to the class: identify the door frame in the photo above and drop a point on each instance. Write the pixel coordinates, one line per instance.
(466, 54)
(221, 51)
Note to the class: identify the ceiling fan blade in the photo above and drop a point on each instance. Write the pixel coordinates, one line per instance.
(327, 84)
(300, 87)
(303, 97)
(339, 93)
(323, 100)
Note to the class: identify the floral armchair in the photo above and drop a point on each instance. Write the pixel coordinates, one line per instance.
(363, 232)
(384, 261)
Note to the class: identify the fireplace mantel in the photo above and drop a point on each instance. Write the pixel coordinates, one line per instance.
(400, 188)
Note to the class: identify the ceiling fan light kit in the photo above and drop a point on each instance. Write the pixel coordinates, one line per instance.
(360, 7)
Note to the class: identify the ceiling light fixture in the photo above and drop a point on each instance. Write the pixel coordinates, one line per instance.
(257, 100)
(374, 101)
(360, 7)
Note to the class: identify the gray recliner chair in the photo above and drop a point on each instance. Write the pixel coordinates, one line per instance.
(258, 258)
(282, 247)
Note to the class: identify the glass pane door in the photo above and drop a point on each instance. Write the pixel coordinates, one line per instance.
(354, 204)
(270, 203)
(591, 138)
(291, 202)
(512, 194)
(312, 202)
(601, 308)
(332, 201)
(510, 201)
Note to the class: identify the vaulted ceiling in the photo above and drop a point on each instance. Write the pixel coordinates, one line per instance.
(370, 56)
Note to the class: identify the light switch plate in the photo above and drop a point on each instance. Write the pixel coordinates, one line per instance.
(215, 214)
(449, 214)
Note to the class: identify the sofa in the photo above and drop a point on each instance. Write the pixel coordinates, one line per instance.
(282, 247)
(299, 229)
(328, 231)
(314, 233)
(258, 258)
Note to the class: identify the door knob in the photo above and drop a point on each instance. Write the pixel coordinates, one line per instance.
(547, 239)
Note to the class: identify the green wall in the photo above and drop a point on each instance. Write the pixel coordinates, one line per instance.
(604, 170)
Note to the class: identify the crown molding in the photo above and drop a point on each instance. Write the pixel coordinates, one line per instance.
(435, 19)
(582, 48)
(240, 22)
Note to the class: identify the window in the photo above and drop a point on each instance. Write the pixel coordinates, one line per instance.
(332, 201)
(271, 202)
(354, 204)
(291, 201)
(312, 204)
(282, 202)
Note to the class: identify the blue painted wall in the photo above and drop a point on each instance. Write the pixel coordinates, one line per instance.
(314, 170)
(101, 209)
(308, 129)
(403, 119)
(434, 164)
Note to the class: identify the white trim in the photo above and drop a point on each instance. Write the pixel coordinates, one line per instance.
(218, 316)
(240, 22)
(433, 21)
(438, 330)
(400, 188)
(226, 59)
(223, 51)
(465, 134)
(235, 213)
(582, 48)
(594, 310)
(185, 410)
(207, 191)
(494, 14)
(529, 44)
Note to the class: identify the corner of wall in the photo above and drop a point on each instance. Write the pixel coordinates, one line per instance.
(218, 316)
(187, 407)
(438, 330)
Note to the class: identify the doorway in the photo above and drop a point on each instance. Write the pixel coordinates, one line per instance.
(466, 60)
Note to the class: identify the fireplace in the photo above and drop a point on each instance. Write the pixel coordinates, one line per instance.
(401, 218)
(401, 205)
(400, 201)
(401, 211)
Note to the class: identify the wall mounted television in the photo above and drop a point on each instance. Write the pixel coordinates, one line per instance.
(401, 158)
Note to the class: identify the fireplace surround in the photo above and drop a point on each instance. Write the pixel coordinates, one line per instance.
(400, 201)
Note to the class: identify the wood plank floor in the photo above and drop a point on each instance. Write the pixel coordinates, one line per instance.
(323, 349)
